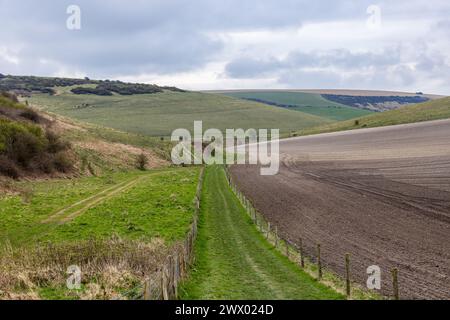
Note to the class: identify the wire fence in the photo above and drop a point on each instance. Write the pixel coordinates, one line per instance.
(163, 285)
(309, 256)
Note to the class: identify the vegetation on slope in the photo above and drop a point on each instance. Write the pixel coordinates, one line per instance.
(430, 110)
(27, 143)
(234, 261)
(159, 114)
(310, 103)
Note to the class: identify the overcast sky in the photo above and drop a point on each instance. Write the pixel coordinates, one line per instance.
(217, 44)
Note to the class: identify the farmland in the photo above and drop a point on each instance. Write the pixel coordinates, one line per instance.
(159, 114)
(380, 194)
(310, 103)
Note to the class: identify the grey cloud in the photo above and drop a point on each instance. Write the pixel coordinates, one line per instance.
(340, 58)
(341, 68)
(128, 37)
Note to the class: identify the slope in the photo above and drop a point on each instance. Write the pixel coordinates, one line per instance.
(430, 110)
(159, 114)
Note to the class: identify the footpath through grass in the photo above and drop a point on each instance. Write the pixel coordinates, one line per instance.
(234, 261)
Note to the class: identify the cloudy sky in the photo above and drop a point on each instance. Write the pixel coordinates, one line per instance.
(216, 44)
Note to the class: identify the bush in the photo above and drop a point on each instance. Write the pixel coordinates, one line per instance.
(55, 144)
(44, 163)
(97, 91)
(10, 96)
(141, 162)
(8, 168)
(356, 122)
(23, 147)
(62, 162)
(30, 115)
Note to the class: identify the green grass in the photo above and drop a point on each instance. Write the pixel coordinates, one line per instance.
(233, 261)
(430, 110)
(310, 103)
(159, 114)
(159, 204)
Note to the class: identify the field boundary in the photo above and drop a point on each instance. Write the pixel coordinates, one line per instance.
(164, 284)
(295, 252)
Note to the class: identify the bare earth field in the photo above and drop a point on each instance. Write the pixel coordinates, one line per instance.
(382, 195)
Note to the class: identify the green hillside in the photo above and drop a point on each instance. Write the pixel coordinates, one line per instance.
(310, 103)
(431, 110)
(159, 114)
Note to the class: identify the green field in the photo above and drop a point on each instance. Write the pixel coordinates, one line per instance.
(234, 261)
(430, 110)
(310, 103)
(136, 205)
(159, 114)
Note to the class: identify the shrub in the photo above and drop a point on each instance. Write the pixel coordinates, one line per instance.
(23, 147)
(8, 167)
(62, 162)
(356, 122)
(44, 163)
(55, 144)
(141, 162)
(10, 96)
(97, 91)
(30, 115)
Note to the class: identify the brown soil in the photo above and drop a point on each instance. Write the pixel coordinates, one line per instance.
(370, 194)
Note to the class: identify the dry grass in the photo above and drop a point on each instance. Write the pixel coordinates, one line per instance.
(109, 268)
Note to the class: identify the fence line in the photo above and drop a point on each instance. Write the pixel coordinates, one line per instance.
(164, 284)
(293, 251)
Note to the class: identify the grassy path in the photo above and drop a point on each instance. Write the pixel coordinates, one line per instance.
(233, 261)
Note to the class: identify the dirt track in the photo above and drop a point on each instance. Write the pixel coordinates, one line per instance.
(383, 195)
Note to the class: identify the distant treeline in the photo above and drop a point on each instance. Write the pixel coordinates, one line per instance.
(106, 88)
(25, 85)
(358, 101)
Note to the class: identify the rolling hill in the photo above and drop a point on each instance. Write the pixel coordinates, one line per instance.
(310, 103)
(159, 114)
(430, 110)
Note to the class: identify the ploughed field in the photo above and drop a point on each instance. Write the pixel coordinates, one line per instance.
(382, 195)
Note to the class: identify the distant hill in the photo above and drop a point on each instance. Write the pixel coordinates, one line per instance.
(430, 110)
(327, 102)
(160, 114)
(305, 102)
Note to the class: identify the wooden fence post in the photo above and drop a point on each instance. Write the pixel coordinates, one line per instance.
(176, 276)
(302, 257)
(347, 275)
(147, 290)
(395, 283)
(319, 264)
(276, 237)
(164, 293)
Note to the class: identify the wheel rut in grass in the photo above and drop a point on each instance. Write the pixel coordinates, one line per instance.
(68, 214)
